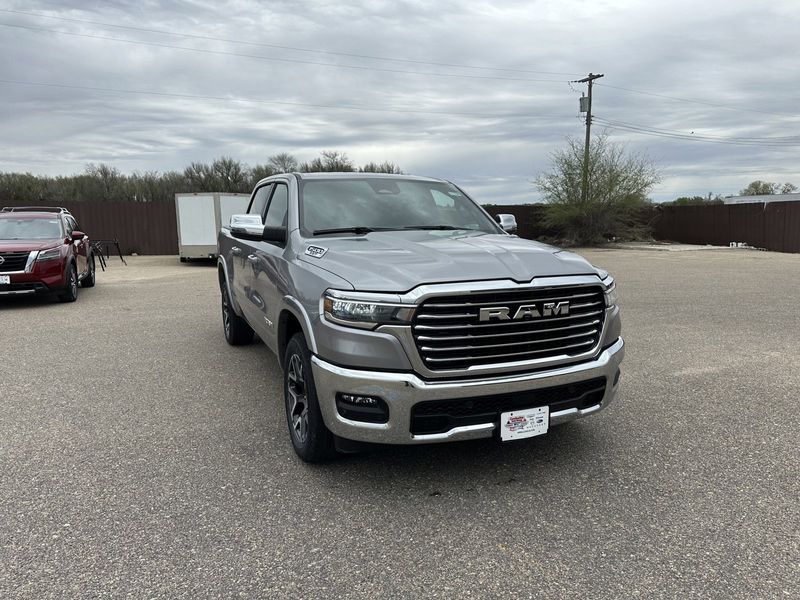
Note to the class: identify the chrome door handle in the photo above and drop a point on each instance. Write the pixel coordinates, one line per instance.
(236, 251)
(252, 258)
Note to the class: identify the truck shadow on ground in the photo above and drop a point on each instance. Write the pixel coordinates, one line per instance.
(462, 467)
(29, 302)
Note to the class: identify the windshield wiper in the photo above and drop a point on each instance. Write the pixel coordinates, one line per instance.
(356, 230)
(440, 228)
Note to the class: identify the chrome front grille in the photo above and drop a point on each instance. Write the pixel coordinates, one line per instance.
(450, 335)
(13, 261)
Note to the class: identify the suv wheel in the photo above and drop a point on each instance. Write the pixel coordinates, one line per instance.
(237, 331)
(312, 441)
(71, 293)
(88, 281)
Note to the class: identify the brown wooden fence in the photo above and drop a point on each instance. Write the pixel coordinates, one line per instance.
(148, 228)
(772, 225)
(144, 228)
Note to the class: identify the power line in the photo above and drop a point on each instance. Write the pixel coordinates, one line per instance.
(280, 102)
(277, 46)
(275, 59)
(786, 138)
(775, 143)
(694, 101)
(696, 139)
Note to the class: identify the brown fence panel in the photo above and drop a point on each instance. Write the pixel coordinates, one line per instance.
(148, 228)
(773, 225)
(145, 228)
(791, 225)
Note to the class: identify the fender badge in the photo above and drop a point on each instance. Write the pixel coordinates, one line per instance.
(316, 251)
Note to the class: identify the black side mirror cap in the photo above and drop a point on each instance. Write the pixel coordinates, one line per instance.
(275, 234)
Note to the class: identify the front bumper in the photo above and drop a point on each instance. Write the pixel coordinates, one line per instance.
(37, 278)
(402, 391)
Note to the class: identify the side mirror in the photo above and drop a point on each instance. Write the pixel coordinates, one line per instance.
(507, 222)
(247, 227)
(77, 236)
(275, 234)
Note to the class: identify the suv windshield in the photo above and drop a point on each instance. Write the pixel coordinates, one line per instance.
(27, 228)
(366, 204)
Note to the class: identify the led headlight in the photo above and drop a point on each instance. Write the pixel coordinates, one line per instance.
(611, 291)
(50, 254)
(368, 313)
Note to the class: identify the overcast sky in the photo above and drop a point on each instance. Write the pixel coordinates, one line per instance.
(490, 128)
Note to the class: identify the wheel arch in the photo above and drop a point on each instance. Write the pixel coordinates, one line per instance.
(225, 280)
(293, 319)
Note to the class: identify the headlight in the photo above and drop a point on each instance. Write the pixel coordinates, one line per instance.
(51, 254)
(366, 313)
(611, 291)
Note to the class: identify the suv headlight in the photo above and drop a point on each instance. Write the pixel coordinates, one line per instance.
(611, 291)
(50, 254)
(366, 311)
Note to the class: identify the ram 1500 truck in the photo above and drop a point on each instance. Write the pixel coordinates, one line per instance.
(401, 312)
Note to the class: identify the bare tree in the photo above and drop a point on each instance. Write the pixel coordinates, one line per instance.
(330, 161)
(384, 167)
(283, 162)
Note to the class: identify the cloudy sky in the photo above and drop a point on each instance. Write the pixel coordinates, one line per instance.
(472, 91)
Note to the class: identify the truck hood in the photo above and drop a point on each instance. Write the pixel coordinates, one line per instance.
(27, 245)
(398, 261)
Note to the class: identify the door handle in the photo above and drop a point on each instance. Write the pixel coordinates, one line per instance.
(236, 251)
(252, 258)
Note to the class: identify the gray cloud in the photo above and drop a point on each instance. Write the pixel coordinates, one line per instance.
(734, 53)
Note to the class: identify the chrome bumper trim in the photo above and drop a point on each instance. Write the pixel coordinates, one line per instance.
(402, 391)
(16, 292)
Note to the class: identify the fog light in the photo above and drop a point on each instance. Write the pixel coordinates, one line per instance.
(356, 407)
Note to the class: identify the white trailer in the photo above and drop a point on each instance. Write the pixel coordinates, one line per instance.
(200, 217)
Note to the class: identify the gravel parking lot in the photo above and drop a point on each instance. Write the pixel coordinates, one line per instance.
(141, 456)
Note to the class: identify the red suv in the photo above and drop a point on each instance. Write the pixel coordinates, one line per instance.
(42, 251)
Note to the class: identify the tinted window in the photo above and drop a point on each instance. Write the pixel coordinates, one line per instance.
(259, 200)
(30, 229)
(386, 202)
(277, 211)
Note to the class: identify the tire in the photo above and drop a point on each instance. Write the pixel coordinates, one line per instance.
(312, 441)
(71, 292)
(183, 259)
(89, 280)
(237, 331)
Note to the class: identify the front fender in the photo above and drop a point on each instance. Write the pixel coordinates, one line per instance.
(294, 306)
(225, 279)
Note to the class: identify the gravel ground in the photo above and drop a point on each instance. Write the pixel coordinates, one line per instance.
(141, 456)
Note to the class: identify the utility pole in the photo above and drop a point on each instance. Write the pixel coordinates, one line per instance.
(588, 80)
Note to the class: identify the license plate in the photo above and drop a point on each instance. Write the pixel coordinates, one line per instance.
(526, 423)
(5, 279)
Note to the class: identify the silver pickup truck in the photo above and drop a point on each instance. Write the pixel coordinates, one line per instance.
(401, 312)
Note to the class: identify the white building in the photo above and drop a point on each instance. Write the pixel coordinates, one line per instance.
(763, 198)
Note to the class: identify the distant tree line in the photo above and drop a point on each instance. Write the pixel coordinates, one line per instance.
(754, 188)
(225, 174)
(767, 188)
(697, 200)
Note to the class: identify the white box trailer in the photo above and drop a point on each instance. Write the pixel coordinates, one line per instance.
(200, 217)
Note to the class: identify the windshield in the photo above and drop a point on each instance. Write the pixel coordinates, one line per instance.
(27, 228)
(385, 203)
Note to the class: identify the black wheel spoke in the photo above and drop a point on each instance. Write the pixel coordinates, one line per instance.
(297, 401)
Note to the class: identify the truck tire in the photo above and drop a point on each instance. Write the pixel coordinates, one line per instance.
(311, 439)
(237, 331)
(89, 280)
(71, 292)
